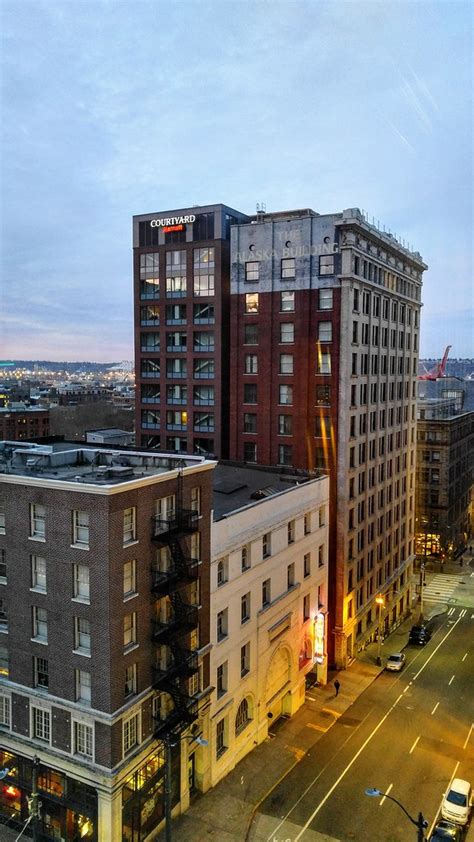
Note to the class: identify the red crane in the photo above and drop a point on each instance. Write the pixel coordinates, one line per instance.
(438, 370)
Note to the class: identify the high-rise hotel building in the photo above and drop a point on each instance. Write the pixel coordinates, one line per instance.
(324, 352)
(182, 293)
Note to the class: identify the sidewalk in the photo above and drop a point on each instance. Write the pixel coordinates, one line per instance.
(225, 813)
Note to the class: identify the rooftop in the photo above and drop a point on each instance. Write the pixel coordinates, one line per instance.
(69, 462)
(236, 486)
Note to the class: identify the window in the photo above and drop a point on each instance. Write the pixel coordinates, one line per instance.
(287, 332)
(82, 635)
(321, 516)
(325, 331)
(221, 679)
(291, 532)
(290, 575)
(203, 396)
(40, 624)
(129, 525)
(288, 267)
(41, 673)
(129, 630)
(250, 393)
(326, 264)
(251, 364)
(41, 724)
(196, 499)
(175, 273)
(321, 556)
(251, 302)
(175, 314)
(285, 425)
(37, 521)
(323, 396)
(245, 608)
(222, 624)
(252, 268)
(4, 661)
(266, 592)
(250, 451)
(3, 566)
(130, 688)
(244, 659)
(266, 545)
(5, 711)
(251, 334)
(204, 313)
(131, 728)
(324, 363)
(286, 363)
(203, 421)
(150, 342)
(220, 738)
(150, 315)
(203, 341)
(2, 521)
(129, 578)
(250, 422)
(285, 454)
(242, 717)
(285, 395)
(325, 299)
(287, 301)
(306, 610)
(83, 686)
(83, 740)
(245, 558)
(307, 565)
(222, 572)
(81, 588)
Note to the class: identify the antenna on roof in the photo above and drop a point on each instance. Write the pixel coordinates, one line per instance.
(261, 209)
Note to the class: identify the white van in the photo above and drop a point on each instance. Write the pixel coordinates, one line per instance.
(456, 804)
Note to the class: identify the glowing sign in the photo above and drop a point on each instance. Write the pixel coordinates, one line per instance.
(319, 636)
(168, 221)
(173, 228)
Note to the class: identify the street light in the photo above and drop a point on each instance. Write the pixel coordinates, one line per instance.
(170, 740)
(420, 823)
(380, 600)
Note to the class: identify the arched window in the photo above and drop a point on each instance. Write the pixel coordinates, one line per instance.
(242, 718)
(245, 558)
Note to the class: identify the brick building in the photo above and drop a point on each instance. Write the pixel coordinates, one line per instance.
(181, 295)
(23, 423)
(444, 477)
(104, 620)
(324, 355)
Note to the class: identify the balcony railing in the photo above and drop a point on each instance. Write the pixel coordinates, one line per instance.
(182, 521)
(162, 581)
(177, 670)
(179, 623)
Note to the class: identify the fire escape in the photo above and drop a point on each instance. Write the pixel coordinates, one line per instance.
(173, 626)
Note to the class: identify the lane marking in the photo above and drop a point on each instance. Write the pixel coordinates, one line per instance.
(430, 831)
(450, 631)
(464, 657)
(387, 793)
(463, 612)
(356, 756)
(451, 611)
(317, 727)
(434, 709)
(468, 736)
(451, 680)
(311, 698)
(414, 744)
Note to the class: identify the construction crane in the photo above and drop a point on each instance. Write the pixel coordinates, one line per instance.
(438, 370)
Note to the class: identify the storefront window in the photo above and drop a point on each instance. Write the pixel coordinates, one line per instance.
(52, 782)
(143, 794)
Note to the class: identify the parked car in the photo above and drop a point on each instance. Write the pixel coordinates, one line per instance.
(456, 804)
(446, 831)
(395, 662)
(419, 635)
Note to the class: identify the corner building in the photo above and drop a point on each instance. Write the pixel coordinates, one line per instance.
(182, 291)
(104, 635)
(324, 353)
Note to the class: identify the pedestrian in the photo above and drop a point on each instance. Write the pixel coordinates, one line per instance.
(337, 686)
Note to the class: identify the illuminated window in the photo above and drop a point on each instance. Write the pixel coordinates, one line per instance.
(251, 302)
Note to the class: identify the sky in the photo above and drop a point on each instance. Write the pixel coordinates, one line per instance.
(112, 108)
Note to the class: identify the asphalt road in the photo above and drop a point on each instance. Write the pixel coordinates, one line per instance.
(407, 736)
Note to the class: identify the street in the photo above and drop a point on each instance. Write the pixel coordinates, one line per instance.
(407, 735)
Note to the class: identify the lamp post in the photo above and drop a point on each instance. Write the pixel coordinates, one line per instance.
(420, 822)
(380, 600)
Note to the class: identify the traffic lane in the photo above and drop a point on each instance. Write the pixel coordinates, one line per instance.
(303, 782)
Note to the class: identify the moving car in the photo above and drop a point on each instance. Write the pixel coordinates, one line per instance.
(419, 635)
(445, 831)
(395, 662)
(456, 804)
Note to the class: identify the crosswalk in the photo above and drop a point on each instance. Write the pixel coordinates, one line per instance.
(441, 588)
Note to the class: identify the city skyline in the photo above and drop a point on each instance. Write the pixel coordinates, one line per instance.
(93, 135)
